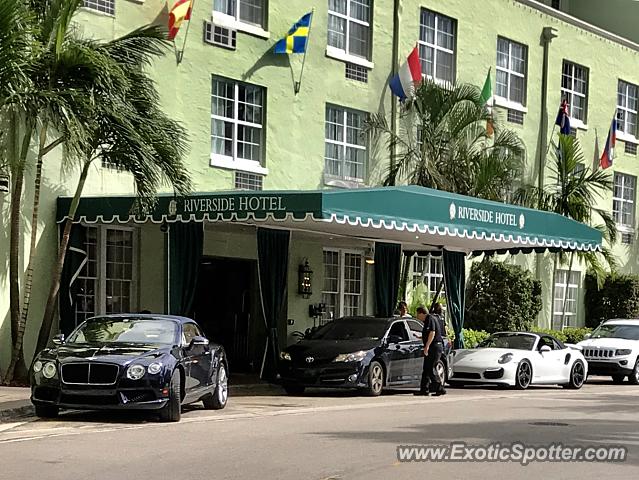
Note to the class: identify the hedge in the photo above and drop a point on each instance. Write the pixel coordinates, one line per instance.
(569, 335)
(618, 298)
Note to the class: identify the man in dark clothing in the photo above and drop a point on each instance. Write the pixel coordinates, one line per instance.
(433, 350)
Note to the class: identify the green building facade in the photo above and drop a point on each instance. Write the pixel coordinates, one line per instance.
(249, 129)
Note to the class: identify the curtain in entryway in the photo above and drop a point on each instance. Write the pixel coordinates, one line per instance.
(387, 266)
(272, 264)
(74, 261)
(455, 282)
(185, 254)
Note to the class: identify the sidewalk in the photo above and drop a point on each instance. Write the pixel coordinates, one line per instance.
(15, 403)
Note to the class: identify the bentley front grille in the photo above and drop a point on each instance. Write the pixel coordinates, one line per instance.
(87, 373)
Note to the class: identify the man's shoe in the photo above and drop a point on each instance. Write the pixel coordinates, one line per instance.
(440, 393)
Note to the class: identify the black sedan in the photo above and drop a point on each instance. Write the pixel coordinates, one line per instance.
(359, 352)
(130, 361)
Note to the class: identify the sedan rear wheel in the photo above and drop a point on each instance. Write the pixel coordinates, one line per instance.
(172, 411)
(523, 377)
(440, 368)
(577, 375)
(375, 379)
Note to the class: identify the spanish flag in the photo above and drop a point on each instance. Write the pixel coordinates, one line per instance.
(296, 39)
(181, 11)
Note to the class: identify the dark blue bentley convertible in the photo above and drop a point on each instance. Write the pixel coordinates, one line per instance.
(130, 361)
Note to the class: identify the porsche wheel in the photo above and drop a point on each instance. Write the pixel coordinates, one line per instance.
(523, 377)
(172, 411)
(217, 400)
(633, 378)
(375, 379)
(577, 375)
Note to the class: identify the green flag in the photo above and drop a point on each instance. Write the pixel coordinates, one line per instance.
(487, 91)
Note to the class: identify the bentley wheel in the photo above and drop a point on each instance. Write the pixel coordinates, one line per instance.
(633, 378)
(523, 377)
(46, 411)
(172, 411)
(217, 400)
(375, 379)
(618, 379)
(577, 375)
(293, 389)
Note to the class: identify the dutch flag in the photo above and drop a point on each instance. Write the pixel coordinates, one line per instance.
(609, 151)
(409, 75)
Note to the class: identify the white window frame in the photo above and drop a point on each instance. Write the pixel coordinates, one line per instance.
(624, 177)
(437, 48)
(343, 145)
(344, 54)
(568, 93)
(623, 88)
(558, 295)
(507, 101)
(223, 19)
(341, 255)
(101, 268)
(102, 7)
(233, 162)
(425, 276)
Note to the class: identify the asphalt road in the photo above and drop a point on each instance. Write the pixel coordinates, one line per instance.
(331, 435)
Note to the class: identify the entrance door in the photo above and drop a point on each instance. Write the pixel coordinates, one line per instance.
(226, 307)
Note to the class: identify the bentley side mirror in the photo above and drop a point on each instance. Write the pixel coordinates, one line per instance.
(545, 348)
(58, 339)
(198, 341)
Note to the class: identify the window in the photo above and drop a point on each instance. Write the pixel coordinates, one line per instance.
(574, 89)
(107, 279)
(252, 12)
(623, 201)
(237, 121)
(556, 4)
(398, 333)
(630, 148)
(248, 181)
(416, 329)
(428, 270)
(104, 6)
(437, 45)
(356, 72)
(343, 290)
(561, 284)
(512, 59)
(349, 24)
(627, 108)
(345, 151)
(220, 36)
(189, 332)
(515, 116)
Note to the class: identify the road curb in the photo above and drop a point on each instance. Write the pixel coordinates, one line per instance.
(11, 414)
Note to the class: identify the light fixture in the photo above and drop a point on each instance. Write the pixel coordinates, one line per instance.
(305, 280)
(370, 256)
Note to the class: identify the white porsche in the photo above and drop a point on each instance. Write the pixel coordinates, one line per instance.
(519, 359)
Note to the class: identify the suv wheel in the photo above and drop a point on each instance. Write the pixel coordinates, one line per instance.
(633, 378)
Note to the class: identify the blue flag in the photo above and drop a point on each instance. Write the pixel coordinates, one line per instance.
(296, 39)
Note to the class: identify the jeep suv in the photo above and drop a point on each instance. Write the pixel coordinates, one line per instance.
(613, 349)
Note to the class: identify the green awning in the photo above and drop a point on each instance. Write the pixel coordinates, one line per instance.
(409, 215)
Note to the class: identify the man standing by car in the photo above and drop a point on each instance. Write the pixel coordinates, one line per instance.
(433, 349)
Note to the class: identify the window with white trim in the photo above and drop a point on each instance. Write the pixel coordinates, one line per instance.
(237, 121)
(345, 152)
(574, 89)
(252, 12)
(349, 26)
(563, 282)
(511, 71)
(104, 6)
(623, 201)
(437, 41)
(343, 289)
(627, 107)
(428, 270)
(107, 281)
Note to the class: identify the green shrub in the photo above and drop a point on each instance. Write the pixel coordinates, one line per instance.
(559, 335)
(576, 335)
(501, 297)
(473, 337)
(569, 335)
(618, 298)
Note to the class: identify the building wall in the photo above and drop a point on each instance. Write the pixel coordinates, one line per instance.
(294, 127)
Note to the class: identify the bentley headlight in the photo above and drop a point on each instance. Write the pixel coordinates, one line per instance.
(285, 356)
(351, 357)
(505, 358)
(623, 351)
(155, 367)
(37, 366)
(135, 372)
(49, 370)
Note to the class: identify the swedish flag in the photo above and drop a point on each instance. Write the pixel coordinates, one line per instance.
(296, 39)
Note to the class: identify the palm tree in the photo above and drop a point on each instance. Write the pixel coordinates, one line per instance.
(443, 143)
(573, 191)
(71, 89)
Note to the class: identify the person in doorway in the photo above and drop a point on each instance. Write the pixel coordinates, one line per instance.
(402, 308)
(433, 350)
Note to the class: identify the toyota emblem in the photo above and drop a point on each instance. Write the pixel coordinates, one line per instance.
(310, 359)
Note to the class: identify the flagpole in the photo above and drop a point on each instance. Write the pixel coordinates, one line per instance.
(186, 34)
(298, 85)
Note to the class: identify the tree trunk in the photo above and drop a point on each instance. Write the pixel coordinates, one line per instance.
(17, 356)
(47, 320)
(15, 233)
(403, 283)
(563, 309)
(440, 287)
(554, 276)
